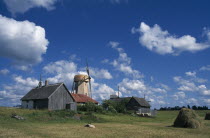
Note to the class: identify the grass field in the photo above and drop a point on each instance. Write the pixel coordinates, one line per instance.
(42, 123)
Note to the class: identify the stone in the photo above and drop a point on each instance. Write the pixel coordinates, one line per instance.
(90, 126)
(17, 117)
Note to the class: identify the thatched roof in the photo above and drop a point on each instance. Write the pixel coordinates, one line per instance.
(41, 93)
(142, 102)
(120, 99)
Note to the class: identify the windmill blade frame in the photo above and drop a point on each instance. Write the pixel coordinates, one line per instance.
(72, 90)
(89, 78)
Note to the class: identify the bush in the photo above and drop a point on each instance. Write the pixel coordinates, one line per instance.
(119, 106)
(99, 109)
(90, 107)
(61, 113)
(89, 117)
(111, 109)
(81, 108)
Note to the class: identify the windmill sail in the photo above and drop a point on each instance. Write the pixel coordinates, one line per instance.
(72, 90)
(89, 78)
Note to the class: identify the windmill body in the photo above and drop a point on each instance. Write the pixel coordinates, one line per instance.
(81, 84)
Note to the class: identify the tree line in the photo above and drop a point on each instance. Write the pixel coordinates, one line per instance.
(194, 107)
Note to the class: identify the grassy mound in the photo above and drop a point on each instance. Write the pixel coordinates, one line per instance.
(207, 117)
(187, 118)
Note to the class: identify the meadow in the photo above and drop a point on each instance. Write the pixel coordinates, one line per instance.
(43, 123)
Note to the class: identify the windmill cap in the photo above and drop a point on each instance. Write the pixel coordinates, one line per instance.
(81, 78)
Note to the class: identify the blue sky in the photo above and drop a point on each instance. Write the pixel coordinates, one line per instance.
(157, 48)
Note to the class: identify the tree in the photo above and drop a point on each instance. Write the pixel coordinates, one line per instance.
(194, 107)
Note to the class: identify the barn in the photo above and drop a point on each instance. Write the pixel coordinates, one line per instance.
(138, 104)
(50, 96)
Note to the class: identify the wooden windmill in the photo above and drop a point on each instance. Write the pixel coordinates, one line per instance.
(80, 83)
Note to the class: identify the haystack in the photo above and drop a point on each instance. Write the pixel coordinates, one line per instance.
(187, 118)
(207, 117)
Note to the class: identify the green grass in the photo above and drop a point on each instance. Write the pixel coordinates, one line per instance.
(42, 123)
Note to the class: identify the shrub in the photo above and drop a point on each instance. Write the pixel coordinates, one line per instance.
(90, 107)
(111, 109)
(61, 113)
(99, 109)
(89, 117)
(119, 106)
(81, 108)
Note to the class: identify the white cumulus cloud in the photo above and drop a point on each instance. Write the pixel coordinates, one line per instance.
(191, 86)
(21, 6)
(100, 73)
(4, 71)
(162, 42)
(64, 71)
(205, 68)
(132, 85)
(179, 96)
(22, 41)
(123, 62)
(191, 74)
(11, 93)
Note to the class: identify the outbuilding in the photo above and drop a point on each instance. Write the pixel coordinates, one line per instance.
(50, 96)
(138, 104)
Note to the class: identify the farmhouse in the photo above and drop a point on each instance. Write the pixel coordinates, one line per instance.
(51, 97)
(134, 103)
(138, 104)
(118, 99)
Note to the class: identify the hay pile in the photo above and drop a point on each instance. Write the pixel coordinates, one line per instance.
(187, 118)
(207, 117)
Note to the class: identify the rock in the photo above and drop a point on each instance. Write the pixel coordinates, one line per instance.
(90, 126)
(207, 117)
(17, 117)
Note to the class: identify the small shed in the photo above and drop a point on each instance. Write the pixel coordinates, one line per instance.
(51, 97)
(138, 104)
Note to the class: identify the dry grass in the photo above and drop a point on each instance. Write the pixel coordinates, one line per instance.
(113, 126)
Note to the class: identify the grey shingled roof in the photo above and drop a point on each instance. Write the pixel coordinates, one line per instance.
(119, 99)
(41, 93)
(142, 102)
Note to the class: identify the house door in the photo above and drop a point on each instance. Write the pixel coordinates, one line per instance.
(35, 105)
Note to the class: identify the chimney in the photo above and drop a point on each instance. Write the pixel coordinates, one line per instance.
(46, 82)
(40, 81)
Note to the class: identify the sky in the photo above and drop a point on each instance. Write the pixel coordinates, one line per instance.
(160, 49)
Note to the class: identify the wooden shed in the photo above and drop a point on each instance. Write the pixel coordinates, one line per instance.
(51, 97)
(137, 104)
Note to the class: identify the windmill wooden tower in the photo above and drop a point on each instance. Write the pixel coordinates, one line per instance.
(80, 83)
